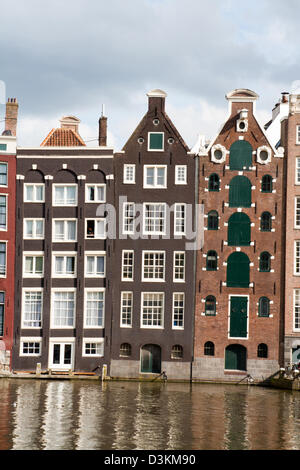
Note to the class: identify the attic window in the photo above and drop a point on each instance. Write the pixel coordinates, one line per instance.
(170, 140)
(156, 141)
(140, 140)
(156, 122)
(263, 154)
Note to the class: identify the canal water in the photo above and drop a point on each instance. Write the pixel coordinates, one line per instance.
(87, 415)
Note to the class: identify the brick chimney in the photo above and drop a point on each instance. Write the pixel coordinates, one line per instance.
(156, 101)
(11, 116)
(102, 129)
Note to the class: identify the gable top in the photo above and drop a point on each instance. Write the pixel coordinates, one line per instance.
(242, 94)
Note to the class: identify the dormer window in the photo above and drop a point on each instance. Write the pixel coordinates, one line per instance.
(156, 141)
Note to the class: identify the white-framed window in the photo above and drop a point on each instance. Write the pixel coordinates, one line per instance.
(153, 266)
(152, 309)
(297, 258)
(128, 217)
(297, 212)
(63, 308)
(155, 176)
(3, 211)
(64, 264)
(95, 228)
(94, 307)
(178, 310)
(127, 265)
(95, 193)
(154, 217)
(94, 264)
(64, 194)
(64, 230)
(179, 219)
(34, 229)
(32, 307)
(297, 172)
(34, 192)
(93, 347)
(2, 312)
(298, 135)
(3, 174)
(156, 141)
(180, 174)
(33, 264)
(129, 174)
(3, 249)
(126, 309)
(179, 266)
(296, 309)
(30, 346)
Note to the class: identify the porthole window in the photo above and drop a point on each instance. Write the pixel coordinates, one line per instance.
(156, 122)
(263, 154)
(170, 140)
(141, 140)
(218, 153)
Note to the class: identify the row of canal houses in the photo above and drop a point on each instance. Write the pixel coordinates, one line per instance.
(157, 258)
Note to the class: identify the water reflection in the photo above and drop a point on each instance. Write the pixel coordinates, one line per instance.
(79, 415)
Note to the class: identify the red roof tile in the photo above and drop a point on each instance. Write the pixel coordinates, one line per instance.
(63, 138)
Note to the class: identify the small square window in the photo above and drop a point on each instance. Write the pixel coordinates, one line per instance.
(156, 141)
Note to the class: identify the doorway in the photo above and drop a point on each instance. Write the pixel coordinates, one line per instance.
(151, 359)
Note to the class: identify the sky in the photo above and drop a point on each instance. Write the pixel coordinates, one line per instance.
(70, 57)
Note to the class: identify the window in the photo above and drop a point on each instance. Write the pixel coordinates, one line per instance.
(180, 174)
(156, 141)
(64, 265)
(179, 266)
(65, 195)
(3, 147)
(94, 308)
(264, 307)
(95, 228)
(125, 350)
(298, 134)
(177, 351)
(179, 219)
(211, 261)
(63, 309)
(297, 257)
(33, 265)
(127, 265)
(34, 192)
(265, 262)
(3, 174)
(95, 193)
(178, 310)
(129, 174)
(214, 182)
(266, 184)
(128, 217)
(153, 266)
(212, 220)
(210, 305)
(33, 228)
(297, 172)
(262, 350)
(126, 309)
(240, 192)
(209, 349)
(32, 308)
(297, 212)
(94, 265)
(240, 155)
(155, 176)
(296, 309)
(3, 212)
(31, 347)
(152, 309)
(93, 347)
(65, 230)
(154, 218)
(266, 222)
(2, 312)
(2, 259)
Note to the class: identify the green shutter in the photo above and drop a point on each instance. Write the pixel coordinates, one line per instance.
(236, 357)
(240, 157)
(240, 192)
(3, 147)
(156, 141)
(239, 230)
(238, 270)
(238, 317)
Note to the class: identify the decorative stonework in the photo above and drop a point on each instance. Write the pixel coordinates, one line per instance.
(218, 153)
(263, 155)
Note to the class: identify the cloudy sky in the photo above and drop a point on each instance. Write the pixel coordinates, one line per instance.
(72, 56)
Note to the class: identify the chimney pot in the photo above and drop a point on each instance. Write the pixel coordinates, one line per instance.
(11, 116)
(102, 139)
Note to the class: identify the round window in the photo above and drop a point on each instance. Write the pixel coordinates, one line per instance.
(242, 125)
(263, 155)
(156, 122)
(218, 154)
(140, 140)
(171, 140)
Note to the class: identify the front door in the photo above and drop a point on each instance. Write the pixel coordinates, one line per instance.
(151, 359)
(238, 317)
(61, 356)
(236, 357)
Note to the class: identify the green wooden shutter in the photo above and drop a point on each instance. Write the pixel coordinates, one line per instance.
(240, 157)
(240, 192)
(156, 141)
(238, 270)
(239, 230)
(238, 317)
(236, 357)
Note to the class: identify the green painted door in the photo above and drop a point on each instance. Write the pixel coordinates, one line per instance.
(151, 359)
(240, 157)
(238, 270)
(240, 192)
(239, 230)
(238, 317)
(236, 357)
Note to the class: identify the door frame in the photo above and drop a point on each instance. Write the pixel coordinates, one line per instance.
(61, 341)
(141, 353)
(229, 303)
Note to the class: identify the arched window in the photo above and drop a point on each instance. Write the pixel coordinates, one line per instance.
(238, 270)
(125, 350)
(210, 305)
(265, 262)
(266, 184)
(240, 156)
(209, 349)
(264, 307)
(266, 222)
(213, 220)
(176, 352)
(211, 261)
(239, 230)
(262, 350)
(214, 182)
(240, 192)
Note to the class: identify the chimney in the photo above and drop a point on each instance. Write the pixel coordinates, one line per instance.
(285, 97)
(156, 101)
(102, 129)
(11, 116)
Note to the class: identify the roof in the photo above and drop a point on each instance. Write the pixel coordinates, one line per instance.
(63, 138)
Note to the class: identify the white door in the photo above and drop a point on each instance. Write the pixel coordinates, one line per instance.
(61, 355)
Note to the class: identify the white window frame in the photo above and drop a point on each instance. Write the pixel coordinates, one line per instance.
(130, 307)
(65, 255)
(6, 211)
(5, 242)
(297, 209)
(96, 341)
(34, 255)
(86, 291)
(296, 257)
(35, 185)
(181, 327)
(95, 185)
(126, 178)
(298, 134)
(52, 312)
(34, 236)
(94, 254)
(30, 339)
(297, 170)
(155, 185)
(296, 304)
(31, 290)
(5, 185)
(154, 232)
(178, 169)
(96, 236)
(64, 203)
(123, 278)
(163, 142)
(128, 221)
(179, 267)
(177, 218)
(156, 327)
(63, 240)
(154, 266)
